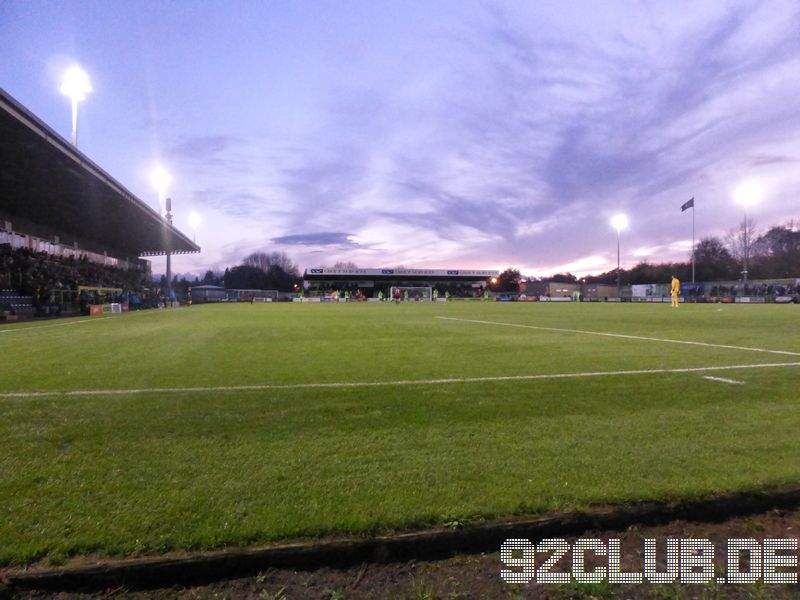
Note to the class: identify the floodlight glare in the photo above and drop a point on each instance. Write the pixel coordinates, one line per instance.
(75, 86)
(748, 193)
(194, 219)
(619, 222)
(160, 179)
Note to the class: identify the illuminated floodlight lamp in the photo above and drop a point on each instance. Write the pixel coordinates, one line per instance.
(75, 86)
(194, 221)
(160, 179)
(619, 222)
(748, 193)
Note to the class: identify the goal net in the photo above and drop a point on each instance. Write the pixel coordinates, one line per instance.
(265, 296)
(412, 294)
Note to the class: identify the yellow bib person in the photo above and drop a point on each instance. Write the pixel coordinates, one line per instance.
(676, 289)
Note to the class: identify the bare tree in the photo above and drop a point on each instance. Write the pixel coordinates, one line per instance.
(266, 260)
(345, 266)
(259, 260)
(740, 242)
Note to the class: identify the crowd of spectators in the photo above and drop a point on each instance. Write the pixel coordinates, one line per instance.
(761, 288)
(52, 281)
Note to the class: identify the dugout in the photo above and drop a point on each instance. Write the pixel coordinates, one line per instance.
(459, 282)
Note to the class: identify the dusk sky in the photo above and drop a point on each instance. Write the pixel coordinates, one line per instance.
(460, 134)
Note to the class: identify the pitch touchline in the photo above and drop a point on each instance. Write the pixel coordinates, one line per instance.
(18, 329)
(622, 335)
(90, 320)
(403, 382)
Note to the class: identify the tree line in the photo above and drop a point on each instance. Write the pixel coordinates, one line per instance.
(264, 271)
(774, 254)
(258, 271)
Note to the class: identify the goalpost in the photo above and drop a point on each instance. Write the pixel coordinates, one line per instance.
(415, 294)
(265, 296)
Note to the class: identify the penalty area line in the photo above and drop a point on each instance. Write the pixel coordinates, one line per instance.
(367, 384)
(623, 335)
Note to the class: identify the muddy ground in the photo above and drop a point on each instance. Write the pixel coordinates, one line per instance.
(478, 576)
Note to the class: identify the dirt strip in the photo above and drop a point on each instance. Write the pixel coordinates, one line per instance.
(435, 545)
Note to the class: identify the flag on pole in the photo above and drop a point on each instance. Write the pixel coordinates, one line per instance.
(688, 204)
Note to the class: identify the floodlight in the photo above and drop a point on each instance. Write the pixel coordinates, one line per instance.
(160, 179)
(194, 219)
(619, 222)
(748, 193)
(75, 86)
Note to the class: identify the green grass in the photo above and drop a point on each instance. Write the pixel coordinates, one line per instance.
(143, 473)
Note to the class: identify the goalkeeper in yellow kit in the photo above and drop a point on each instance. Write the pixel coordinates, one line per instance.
(676, 289)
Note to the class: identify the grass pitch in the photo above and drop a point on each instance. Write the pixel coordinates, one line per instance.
(207, 426)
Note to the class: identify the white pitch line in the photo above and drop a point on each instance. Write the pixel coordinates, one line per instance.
(625, 336)
(401, 382)
(723, 380)
(19, 329)
(89, 320)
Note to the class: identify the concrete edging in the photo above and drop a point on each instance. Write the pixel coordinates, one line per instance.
(207, 567)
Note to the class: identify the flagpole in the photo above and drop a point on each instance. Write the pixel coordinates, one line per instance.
(692, 240)
(686, 205)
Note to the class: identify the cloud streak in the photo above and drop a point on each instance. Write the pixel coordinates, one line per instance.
(328, 238)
